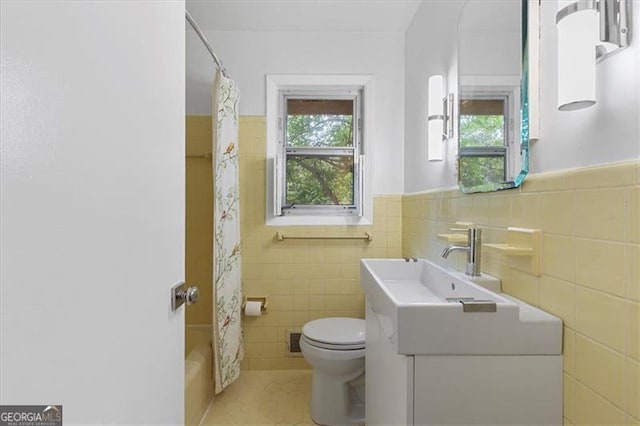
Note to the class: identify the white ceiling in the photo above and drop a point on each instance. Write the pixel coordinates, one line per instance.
(304, 15)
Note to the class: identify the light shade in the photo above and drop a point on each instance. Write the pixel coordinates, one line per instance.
(578, 34)
(436, 117)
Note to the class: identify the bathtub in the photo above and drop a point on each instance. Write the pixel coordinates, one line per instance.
(198, 383)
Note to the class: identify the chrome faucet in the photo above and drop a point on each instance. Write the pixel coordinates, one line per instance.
(474, 241)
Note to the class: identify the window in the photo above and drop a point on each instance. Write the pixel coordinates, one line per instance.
(319, 159)
(485, 132)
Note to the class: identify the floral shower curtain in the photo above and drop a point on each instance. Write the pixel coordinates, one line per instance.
(227, 331)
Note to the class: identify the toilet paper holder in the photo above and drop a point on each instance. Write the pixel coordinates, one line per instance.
(264, 305)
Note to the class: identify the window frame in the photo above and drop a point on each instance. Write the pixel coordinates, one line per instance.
(274, 83)
(507, 96)
(286, 152)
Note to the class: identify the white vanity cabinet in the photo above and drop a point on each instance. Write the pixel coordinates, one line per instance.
(458, 389)
(430, 360)
(388, 378)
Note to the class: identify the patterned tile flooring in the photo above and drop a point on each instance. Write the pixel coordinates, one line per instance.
(258, 397)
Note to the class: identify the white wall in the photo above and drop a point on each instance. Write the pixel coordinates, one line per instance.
(605, 133)
(430, 49)
(92, 212)
(250, 55)
(608, 132)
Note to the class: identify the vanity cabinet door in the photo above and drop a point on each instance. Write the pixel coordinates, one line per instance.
(488, 390)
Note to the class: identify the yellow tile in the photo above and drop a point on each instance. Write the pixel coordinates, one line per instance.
(285, 287)
(558, 297)
(557, 212)
(301, 287)
(558, 257)
(332, 287)
(601, 369)
(633, 330)
(482, 210)
(252, 349)
(270, 334)
(632, 263)
(394, 208)
(286, 271)
(632, 421)
(592, 409)
(541, 182)
(569, 351)
(316, 287)
(525, 210)
(500, 206)
(568, 394)
(282, 303)
(300, 318)
(285, 318)
(301, 302)
(633, 218)
(394, 224)
(446, 210)
(350, 271)
(600, 214)
(606, 176)
(600, 317)
(525, 287)
(632, 374)
(316, 303)
(600, 265)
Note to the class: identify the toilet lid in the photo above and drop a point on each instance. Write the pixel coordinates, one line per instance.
(336, 331)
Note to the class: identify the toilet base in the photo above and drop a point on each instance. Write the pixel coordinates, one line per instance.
(336, 400)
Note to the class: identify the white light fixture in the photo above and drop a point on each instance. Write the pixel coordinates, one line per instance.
(589, 31)
(439, 120)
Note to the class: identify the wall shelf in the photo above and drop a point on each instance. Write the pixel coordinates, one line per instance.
(508, 250)
(458, 237)
(454, 238)
(523, 245)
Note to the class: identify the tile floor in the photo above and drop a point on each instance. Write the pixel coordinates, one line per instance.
(275, 397)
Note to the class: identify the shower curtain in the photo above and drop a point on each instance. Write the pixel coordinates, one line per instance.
(227, 306)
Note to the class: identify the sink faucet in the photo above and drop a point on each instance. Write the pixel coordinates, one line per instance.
(474, 237)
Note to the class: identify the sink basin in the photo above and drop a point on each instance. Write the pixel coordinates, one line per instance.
(423, 308)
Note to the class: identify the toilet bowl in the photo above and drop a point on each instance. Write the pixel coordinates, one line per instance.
(335, 349)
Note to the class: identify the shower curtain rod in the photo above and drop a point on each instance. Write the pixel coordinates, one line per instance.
(206, 42)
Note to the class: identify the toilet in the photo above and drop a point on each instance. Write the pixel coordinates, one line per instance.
(335, 349)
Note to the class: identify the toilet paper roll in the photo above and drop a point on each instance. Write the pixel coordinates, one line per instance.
(253, 309)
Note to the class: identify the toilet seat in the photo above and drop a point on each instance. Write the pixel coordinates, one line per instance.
(332, 346)
(335, 333)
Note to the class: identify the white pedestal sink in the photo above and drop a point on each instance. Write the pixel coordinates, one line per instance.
(444, 350)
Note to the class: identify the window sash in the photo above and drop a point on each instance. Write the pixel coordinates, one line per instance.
(486, 152)
(506, 98)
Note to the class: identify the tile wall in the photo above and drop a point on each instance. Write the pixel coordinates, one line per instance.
(590, 276)
(199, 229)
(303, 279)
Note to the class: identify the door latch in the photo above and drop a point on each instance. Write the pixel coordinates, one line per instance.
(181, 294)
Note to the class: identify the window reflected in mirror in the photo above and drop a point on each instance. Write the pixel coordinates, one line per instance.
(486, 129)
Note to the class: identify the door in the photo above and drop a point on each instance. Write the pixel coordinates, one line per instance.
(92, 209)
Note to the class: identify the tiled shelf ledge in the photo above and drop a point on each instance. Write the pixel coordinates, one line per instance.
(457, 237)
(454, 238)
(523, 245)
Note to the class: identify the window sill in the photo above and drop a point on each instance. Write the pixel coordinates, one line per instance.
(310, 220)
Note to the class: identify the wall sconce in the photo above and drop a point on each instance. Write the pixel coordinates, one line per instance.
(589, 31)
(440, 117)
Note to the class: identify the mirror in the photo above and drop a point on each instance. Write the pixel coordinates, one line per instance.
(493, 113)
